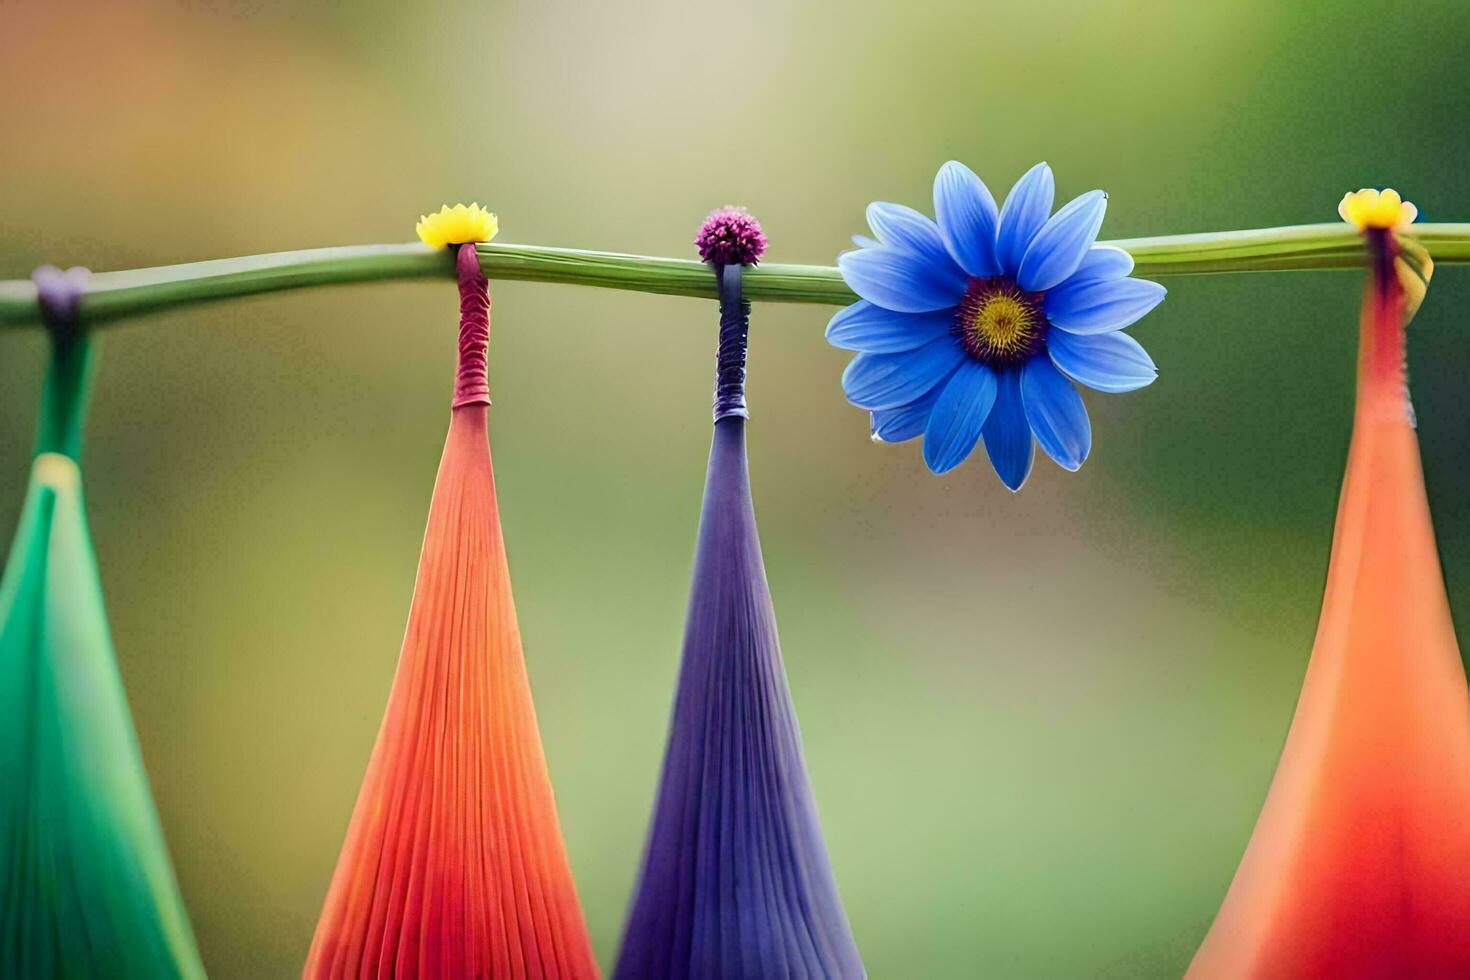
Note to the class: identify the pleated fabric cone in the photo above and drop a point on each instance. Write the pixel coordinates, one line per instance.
(735, 879)
(454, 866)
(1359, 865)
(86, 886)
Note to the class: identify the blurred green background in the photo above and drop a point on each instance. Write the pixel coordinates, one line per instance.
(1039, 726)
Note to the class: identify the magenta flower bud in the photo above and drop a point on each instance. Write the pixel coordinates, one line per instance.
(731, 236)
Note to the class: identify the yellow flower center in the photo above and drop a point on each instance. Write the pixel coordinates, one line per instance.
(1372, 208)
(999, 324)
(1003, 321)
(457, 226)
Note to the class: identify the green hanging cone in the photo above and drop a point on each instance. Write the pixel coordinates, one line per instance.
(86, 886)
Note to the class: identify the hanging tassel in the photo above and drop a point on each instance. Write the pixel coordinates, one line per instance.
(735, 879)
(86, 886)
(454, 865)
(1359, 865)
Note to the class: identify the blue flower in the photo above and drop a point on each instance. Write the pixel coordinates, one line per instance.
(975, 326)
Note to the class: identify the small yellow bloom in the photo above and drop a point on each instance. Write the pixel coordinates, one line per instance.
(457, 225)
(1370, 208)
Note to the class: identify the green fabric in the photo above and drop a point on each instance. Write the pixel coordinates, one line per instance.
(86, 886)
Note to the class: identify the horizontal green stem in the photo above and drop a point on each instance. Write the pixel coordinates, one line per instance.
(114, 295)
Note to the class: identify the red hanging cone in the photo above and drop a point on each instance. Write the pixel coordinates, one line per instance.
(1360, 863)
(453, 866)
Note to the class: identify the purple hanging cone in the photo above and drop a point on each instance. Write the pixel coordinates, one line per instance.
(735, 879)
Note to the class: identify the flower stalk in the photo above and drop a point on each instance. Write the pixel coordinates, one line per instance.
(113, 296)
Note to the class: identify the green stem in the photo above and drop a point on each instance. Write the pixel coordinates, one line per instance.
(114, 295)
(64, 395)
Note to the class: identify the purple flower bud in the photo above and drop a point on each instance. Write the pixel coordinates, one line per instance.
(731, 236)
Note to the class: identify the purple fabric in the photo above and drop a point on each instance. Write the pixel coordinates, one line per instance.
(735, 879)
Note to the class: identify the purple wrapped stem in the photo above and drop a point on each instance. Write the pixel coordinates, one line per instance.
(734, 333)
(735, 879)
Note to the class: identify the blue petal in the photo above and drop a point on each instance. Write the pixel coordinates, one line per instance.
(863, 241)
(879, 381)
(907, 422)
(1104, 262)
(863, 326)
(1059, 247)
(954, 425)
(1107, 361)
(1022, 216)
(903, 227)
(1056, 413)
(1101, 305)
(967, 218)
(1007, 434)
(900, 280)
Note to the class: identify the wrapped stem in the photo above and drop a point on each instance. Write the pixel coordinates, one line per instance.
(471, 383)
(734, 336)
(65, 394)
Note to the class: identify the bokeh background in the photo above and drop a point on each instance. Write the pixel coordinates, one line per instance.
(1039, 726)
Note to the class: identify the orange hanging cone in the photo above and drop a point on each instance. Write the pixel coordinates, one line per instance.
(1360, 863)
(454, 865)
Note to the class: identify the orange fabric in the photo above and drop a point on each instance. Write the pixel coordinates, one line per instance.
(454, 866)
(1360, 863)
